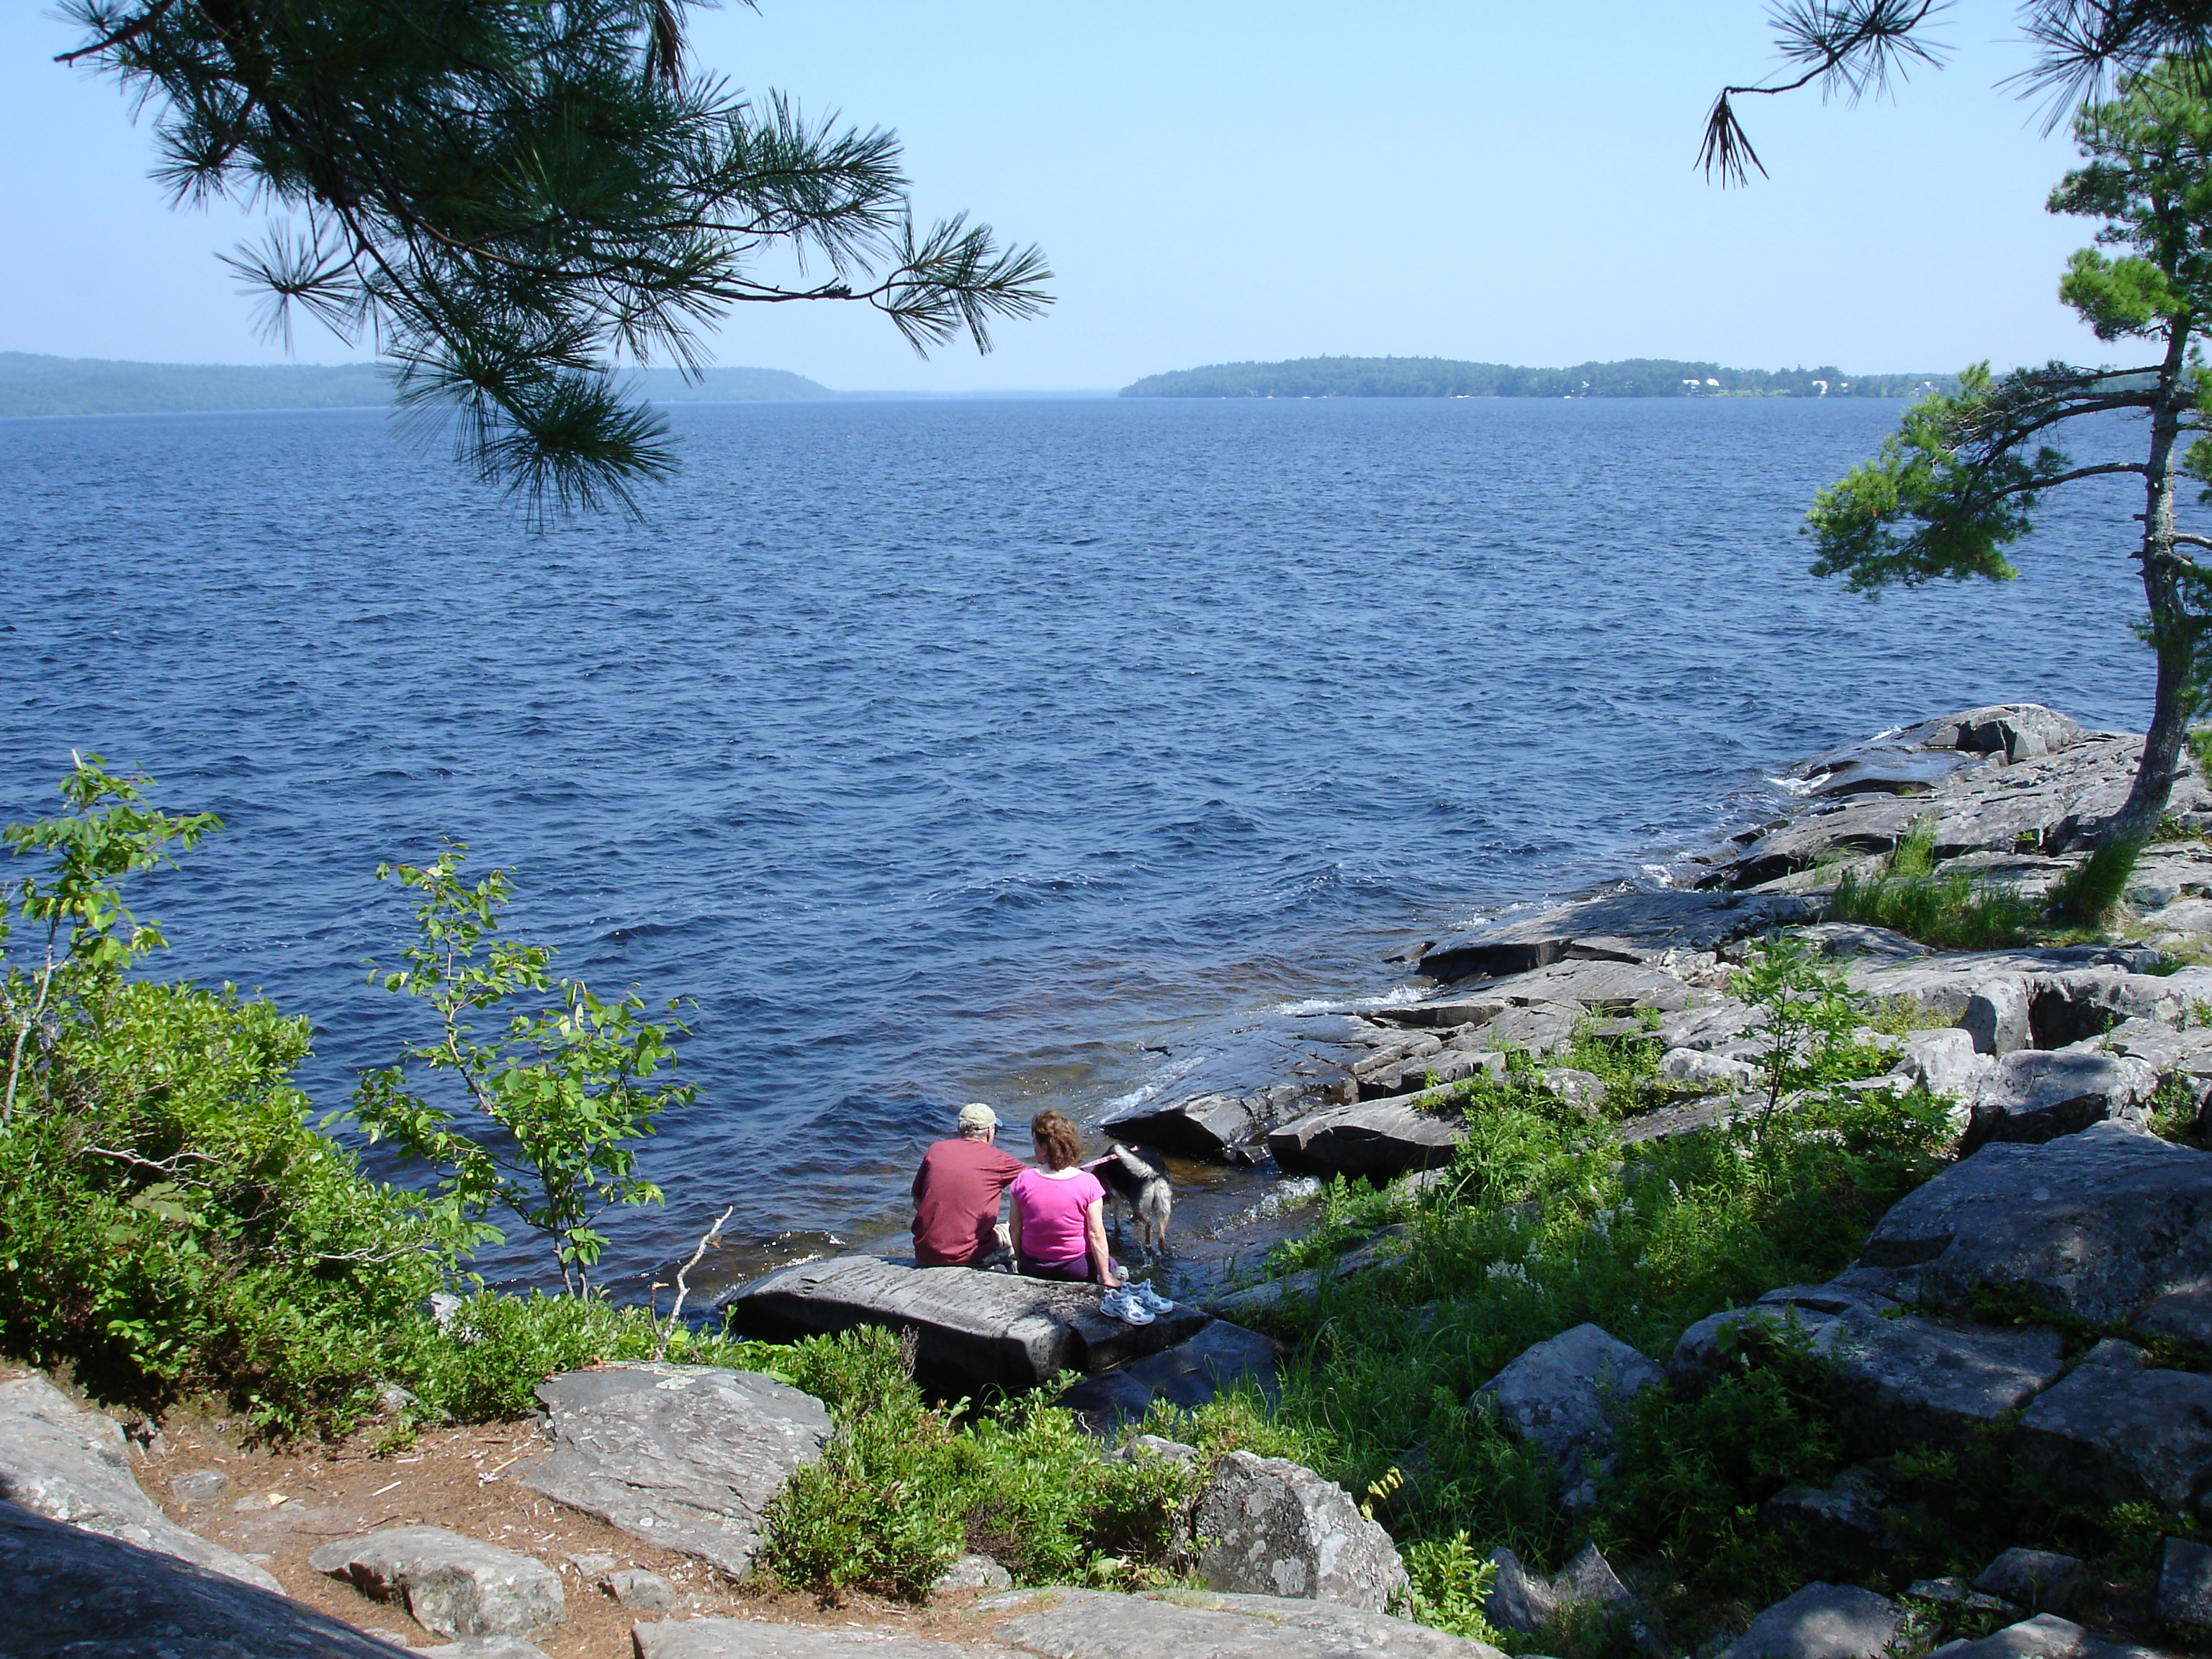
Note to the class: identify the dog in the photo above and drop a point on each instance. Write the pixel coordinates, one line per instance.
(1138, 1176)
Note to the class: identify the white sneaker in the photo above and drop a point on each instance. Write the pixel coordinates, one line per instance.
(1148, 1299)
(1122, 1305)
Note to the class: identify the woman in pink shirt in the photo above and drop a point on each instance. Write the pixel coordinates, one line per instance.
(1059, 1220)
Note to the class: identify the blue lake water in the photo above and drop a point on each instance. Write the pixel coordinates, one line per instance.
(1011, 750)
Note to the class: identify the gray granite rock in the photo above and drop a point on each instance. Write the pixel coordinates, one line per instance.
(684, 1457)
(972, 1572)
(2185, 1584)
(2038, 1580)
(1563, 1394)
(449, 1583)
(1212, 1127)
(2090, 1227)
(2046, 1636)
(1945, 1062)
(1518, 1599)
(641, 1591)
(762, 1638)
(1902, 1377)
(69, 1593)
(1694, 1066)
(590, 1563)
(195, 1487)
(2033, 1096)
(70, 1463)
(1994, 1018)
(1376, 1140)
(2106, 1435)
(1821, 1621)
(1632, 925)
(484, 1647)
(1265, 1525)
(1074, 1623)
(1846, 1514)
(971, 1326)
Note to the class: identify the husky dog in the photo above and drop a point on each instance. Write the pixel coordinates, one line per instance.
(1138, 1176)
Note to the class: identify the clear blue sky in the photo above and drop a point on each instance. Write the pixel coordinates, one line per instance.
(1496, 181)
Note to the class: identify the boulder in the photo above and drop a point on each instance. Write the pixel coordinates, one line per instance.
(1821, 1621)
(1220, 1357)
(75, 1594)
(1995, 1016)
(1694, 1067)
(70, 1463)
(2185, 1584)
(2090, 1228)
(1902, 1377)
(1427, 1072)
(2032, 1095)
(1583, 1090)
(1518, 1599)
(1947, 1062)
(2018, 731)
(1210, 1127)
(1843, 1515)
(2108, 1435)
(449, 1583)
(2038, 1580)
(2184, 1314)
(970, 1325)
(1563, 1394)
(485, 1647)
(197, 1487)
(1726, 1026)
(972, 1572)
(641, 1591)
(2046, 1636)
(1377, 1141)
(684, 1457)
(1265, 1525)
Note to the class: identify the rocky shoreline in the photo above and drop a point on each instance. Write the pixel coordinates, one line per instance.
(2043, 1295)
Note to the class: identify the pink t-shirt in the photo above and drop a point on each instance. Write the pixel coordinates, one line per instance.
(1052, 1233)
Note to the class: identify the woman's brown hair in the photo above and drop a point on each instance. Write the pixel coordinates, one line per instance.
(1055, 1140)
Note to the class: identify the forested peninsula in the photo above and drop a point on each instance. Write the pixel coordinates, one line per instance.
(34, 385)
(1442, 377)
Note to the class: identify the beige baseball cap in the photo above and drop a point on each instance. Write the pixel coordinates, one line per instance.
(976, 1115)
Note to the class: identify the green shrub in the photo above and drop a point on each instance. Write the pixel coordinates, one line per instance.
(905, 1485)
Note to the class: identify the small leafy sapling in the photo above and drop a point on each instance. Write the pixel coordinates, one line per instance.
(108, 833)
(1810, 1016)
(540, 1120)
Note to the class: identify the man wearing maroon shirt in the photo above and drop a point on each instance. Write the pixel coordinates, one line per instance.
(956, 1192)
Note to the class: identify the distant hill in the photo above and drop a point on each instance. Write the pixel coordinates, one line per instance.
(31, 384)
(1441, 377)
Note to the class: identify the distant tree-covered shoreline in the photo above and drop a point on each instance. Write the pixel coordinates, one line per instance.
(1441, 376)
(31, 385)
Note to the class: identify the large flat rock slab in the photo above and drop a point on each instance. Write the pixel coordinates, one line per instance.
(684, 1456)
(1079, 1624)
(2113, 1435)
(67, 1463)
(84, 1594)
(2092, 1227)
(1636, 926)
(984, 1326)
(1379, 1140)
(1902, 1377)
(762, 1638)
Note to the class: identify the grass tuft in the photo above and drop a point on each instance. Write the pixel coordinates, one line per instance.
(1951, 913)
(2086, 896)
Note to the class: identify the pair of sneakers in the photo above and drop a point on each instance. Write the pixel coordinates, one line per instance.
(1134, 1304)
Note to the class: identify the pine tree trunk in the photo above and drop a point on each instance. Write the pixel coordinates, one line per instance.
(2170, 635)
